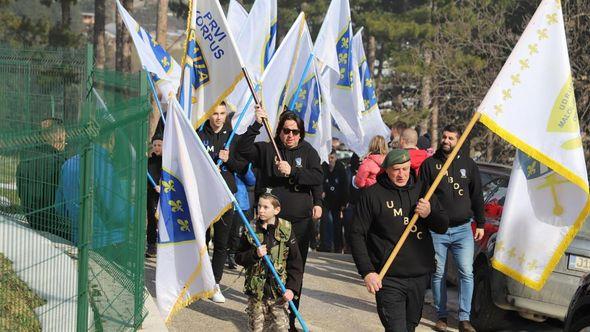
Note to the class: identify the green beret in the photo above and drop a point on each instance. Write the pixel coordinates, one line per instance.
(396, 156)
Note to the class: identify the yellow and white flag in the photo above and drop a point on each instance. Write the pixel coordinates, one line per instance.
(212, 65)
(193, 196)
(532, 105)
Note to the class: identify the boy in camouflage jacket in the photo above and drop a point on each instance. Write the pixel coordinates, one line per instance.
(267, 307)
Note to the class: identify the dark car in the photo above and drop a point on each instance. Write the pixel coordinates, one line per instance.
(578, 314)
(494, 292)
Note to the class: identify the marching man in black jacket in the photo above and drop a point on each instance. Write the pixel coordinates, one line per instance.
(381, 215)
(460, 194)
(214, 133)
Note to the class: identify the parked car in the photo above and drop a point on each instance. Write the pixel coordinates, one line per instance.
(578, 314)
(494, 292)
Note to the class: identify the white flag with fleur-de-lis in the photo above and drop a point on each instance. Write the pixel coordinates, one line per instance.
(532, 105)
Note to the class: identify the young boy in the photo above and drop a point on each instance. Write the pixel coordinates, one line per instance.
(267, 307)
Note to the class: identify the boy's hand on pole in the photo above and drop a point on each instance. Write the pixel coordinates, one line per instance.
(261, 251)
(288, 296)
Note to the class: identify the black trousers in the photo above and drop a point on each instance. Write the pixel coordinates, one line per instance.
(337, 228)
(303, 230)
(221, 233)
(400, 301)
(152, 222)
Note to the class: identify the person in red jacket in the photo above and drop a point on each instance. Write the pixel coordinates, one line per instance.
(371, 165)
(409, 141)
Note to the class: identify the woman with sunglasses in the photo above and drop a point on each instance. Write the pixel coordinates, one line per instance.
(296, 180)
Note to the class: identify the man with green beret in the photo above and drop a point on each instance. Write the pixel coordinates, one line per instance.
(381, 215)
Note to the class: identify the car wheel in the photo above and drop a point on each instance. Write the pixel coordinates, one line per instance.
(581, 324)
(485, 315)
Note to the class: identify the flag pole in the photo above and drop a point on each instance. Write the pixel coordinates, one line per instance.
(264, 120)
(292, 69)
(155, 94)
(246, 223)
(430, 192)
(296, 95)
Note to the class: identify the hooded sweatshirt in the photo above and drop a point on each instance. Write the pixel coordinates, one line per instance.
(368, 171)
(381, 215)
(215, 142)
(460, 189)
(299, 191)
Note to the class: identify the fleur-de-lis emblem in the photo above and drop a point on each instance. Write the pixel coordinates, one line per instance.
(532, 265)
(369, 83)
(532, 168)
(367, 104)
(342, 71)
(165, 62)
(533, 49)
(524, 64)
(183, 225)
(515, 79)
(194, 100)
(303, 93)
(314, 125)
(344, 42)
(498, 109)
(168, 186)
(176, 205)
(551, 18)
(506, 94)
(542, 34)
(342, 57)
(298, 105)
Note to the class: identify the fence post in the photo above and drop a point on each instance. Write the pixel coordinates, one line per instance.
(141, 201)
(86, 207)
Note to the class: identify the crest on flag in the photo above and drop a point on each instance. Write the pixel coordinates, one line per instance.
(344, 51)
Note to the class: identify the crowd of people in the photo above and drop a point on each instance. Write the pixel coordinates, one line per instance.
(356, 205)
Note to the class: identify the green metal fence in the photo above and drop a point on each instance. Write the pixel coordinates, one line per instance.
(73, 152)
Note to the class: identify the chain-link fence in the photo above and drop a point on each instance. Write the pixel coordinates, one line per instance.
(73, 151)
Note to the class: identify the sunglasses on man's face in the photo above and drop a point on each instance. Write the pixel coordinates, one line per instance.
(295, 132)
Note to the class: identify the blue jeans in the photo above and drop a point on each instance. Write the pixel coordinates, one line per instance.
(459, 241)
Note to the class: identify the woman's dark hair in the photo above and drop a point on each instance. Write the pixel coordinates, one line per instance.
(290, 115)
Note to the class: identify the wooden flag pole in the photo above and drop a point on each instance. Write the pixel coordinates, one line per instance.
(435, 184)
(264, 120)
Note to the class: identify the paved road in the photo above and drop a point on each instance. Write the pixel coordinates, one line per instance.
(334, 299)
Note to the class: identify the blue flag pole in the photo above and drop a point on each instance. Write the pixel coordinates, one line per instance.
(233, 133)
(151, 180)
(266, 258)
(296, 95)
(153, 88)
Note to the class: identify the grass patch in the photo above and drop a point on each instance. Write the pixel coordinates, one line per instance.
(17, 301)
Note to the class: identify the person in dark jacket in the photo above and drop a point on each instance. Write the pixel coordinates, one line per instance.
(460, 194)
(243, 181)
(296, 180)
(215, 133)
(335, 200)
(267, 307)
(381, 215)
(37, 179)
(153, 195)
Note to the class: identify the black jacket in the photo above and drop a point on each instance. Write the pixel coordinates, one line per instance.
(247, 256)
(335, 186)
(155, 170)
(297, 193)
(215, 142)
(381, 215)
(459, 191)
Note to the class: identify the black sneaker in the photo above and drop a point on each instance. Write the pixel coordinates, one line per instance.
(151, 251)
(231, 262)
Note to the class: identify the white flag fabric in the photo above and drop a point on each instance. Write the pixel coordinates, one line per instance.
(304, 98)
(253, 44)
(532, 105)
(277, 78)
(371, 121)
(333, 50)
(164, 69)
(193, 196)
(236, 17)
(212, 66)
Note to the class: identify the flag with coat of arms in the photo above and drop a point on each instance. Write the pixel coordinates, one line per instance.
(531, 104)
(212, 66)
(192, 197)
(333, 51)
(154, 58)
(371, 121)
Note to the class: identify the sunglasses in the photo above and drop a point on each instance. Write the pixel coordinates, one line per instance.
(287, 131)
